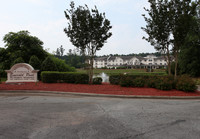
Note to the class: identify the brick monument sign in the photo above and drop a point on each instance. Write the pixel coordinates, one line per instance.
(21, 72)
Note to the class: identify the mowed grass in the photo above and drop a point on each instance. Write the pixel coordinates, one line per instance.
(125, 71)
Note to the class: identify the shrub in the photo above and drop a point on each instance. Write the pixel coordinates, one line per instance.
(35, 62)
(185, 83)
(164, 83)
(97, 80)
(139, 82)
(115, 79)
(66, 77)
(126, 81)
(48, 65)
(151, 81)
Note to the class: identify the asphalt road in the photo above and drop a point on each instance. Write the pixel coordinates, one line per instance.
(78, 117)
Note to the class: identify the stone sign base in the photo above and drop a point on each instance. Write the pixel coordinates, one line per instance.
(20, 73)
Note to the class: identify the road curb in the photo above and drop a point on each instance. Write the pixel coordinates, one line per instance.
(34, 92)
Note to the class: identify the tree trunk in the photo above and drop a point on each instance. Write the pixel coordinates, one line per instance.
(176, 64)
(91, 71)
(169, 62)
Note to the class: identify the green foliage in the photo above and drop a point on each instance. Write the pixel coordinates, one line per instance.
(60, 51)
(97, 80)
(88, 30)
(190, 52)
(2, 73)
(35, 62)
(185, 83)
(126, 81)
(115, 79)
(18, 60)
(20, 44)
(139, 82)
(61, 65)
(48, 65)
(151, 81)
(168, 23)
(64, 77)
(197, 81)
(164, 83)
(173, 69)
(123, 67)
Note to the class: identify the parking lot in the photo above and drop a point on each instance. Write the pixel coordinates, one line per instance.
(74, 117)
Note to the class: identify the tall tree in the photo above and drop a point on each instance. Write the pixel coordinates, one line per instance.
(88, 30)
(189, 59)
(182, 12)
(158, 28)
(60, 51)
(168, 24)
(21, 44)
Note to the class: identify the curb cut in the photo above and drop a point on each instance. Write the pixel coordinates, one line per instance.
(33, 92)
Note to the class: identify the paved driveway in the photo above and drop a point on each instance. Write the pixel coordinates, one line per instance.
(74, 117)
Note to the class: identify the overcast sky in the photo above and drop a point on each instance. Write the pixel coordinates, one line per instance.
(45, 19)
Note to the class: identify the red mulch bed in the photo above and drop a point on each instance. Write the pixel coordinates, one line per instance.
(98, 89)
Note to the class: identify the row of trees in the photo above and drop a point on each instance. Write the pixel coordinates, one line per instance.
(74, 59)
(21, 47)
(173, 27)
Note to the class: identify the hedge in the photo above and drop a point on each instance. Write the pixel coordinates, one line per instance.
(97, 80)
(64, 77)
(183, 83)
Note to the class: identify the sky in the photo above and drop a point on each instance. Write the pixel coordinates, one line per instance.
(45, 19)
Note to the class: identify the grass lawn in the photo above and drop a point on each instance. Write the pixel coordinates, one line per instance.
(122, 71)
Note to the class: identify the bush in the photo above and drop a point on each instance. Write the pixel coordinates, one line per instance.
(97, 80)
(126, 81)
(48, 65)
(115, 79)
(50, 77)
(185, 83)
(151, 81)
(66, 77)
(139, 82)
(164, 83)
(35, 62)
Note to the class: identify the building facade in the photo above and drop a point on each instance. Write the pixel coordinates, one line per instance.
(150, 61)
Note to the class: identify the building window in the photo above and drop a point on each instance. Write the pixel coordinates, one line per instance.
(160, 63)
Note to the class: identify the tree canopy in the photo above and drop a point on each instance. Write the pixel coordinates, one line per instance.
(169, 23)
(20, 44)
(190, 52)
(88, 30)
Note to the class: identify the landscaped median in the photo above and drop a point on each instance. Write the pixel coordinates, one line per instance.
(126, 85)
(96, 89)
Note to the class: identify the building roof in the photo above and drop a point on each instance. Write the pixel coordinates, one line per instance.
(101, 58)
